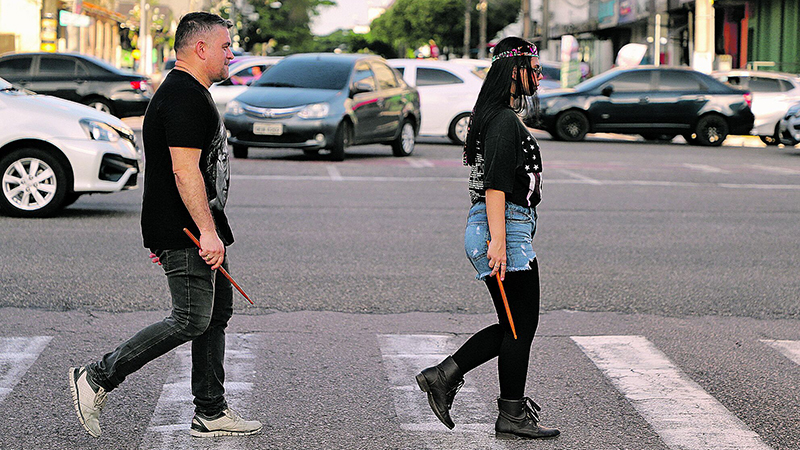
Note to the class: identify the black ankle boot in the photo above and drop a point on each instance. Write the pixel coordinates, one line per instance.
(520, 418)
(441, 382)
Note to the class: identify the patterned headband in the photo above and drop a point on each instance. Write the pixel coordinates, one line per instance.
(519, 51)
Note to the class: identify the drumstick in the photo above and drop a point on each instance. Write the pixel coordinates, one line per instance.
(225, 272)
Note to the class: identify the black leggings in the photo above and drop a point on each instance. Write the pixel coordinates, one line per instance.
(522, 291)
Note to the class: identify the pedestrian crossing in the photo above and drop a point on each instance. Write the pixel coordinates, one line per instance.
(679, 410)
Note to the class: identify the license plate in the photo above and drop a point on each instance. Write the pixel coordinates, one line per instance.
(270, 129)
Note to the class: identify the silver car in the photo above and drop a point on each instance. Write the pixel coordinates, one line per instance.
(773, 94)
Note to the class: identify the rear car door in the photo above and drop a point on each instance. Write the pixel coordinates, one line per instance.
(391, 100)
(678, 98)
(58, 76)
(366, 105)
(440, 93)
(628, 107)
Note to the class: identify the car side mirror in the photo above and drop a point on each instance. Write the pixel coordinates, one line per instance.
(607, 90)
(360, 86)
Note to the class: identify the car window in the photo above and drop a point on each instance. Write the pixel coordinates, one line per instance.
(386, 79)
(433, 77)
(735, 81)
(307, 73)
(248, 75)
(786, 85)
(635, 81)
(759, 84)
(670, 80)
(14, 67)
(56, 66)
(402, 70)
(364, 75)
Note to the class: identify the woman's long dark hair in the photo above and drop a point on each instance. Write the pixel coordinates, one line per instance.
(495, 94)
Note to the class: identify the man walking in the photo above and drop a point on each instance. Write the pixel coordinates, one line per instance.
(186, 186)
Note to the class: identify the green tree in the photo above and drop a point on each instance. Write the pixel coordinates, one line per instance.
(411, 23)
(287, 28)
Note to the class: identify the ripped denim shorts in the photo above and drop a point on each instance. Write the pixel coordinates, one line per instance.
(520, 228)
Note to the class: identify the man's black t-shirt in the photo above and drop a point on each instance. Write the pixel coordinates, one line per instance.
(508, 160)
(182, 114)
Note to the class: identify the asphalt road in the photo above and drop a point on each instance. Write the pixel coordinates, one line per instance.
(692, 249)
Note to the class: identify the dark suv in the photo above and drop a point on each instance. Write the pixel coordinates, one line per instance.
(79, 78)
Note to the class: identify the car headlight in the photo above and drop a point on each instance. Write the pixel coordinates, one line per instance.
(315, 111)
(234, 108)
(99, 131)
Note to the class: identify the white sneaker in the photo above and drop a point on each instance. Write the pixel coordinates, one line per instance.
(226, 423)
(88, 399)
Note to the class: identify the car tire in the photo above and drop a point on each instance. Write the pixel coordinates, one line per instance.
(46, 183)
(457, 131)
(100, 104)
(405, 142)
(775, 139)
(342, 140)
(572, 126)
(711, 130)
(240, 151)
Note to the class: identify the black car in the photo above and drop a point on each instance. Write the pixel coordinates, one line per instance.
(655, 102)
(328, 101)
(79, 78)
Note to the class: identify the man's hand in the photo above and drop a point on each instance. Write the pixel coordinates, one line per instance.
(212, 250)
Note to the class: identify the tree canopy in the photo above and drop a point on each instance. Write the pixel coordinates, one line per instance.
(284, 26)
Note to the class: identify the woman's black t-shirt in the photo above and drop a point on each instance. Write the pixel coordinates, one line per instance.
(509, 160)
(182, 114)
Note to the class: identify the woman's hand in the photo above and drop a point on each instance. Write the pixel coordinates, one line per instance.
(497, 258)
(155, 259)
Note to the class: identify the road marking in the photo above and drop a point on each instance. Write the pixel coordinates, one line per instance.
(419, 162)
(334, 173)
(578, 176)
(774, 169)
(17, 355)
(169, 426)
(678, 409)
(588, 181)
(404, 356)
(705, 168)
(789, 349)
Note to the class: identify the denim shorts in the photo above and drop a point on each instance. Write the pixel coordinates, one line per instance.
(520, 228)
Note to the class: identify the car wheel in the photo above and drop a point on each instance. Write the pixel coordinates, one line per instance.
(34, 183)
(239, 151)
(406, 140)
(100, 104)
(458, 129)
(344, 136)
(572, 126)
(775, 139)
(711, 130)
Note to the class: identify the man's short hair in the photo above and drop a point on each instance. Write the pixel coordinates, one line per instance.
(194, 24)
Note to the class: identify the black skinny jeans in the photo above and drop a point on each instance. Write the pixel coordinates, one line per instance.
(522, 291)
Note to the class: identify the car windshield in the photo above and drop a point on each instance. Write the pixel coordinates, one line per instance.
(5, 85)
(307, 73)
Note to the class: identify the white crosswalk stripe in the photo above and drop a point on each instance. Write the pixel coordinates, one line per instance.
(169, 426)
(17, 354)
(790, 349)
(678, 409)
(404, 356)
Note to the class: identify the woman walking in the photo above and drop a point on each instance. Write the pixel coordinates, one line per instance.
(505, 187)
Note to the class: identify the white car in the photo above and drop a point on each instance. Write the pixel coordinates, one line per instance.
(773, 94)
(242, 72)
(52, 151)
(447, 94)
